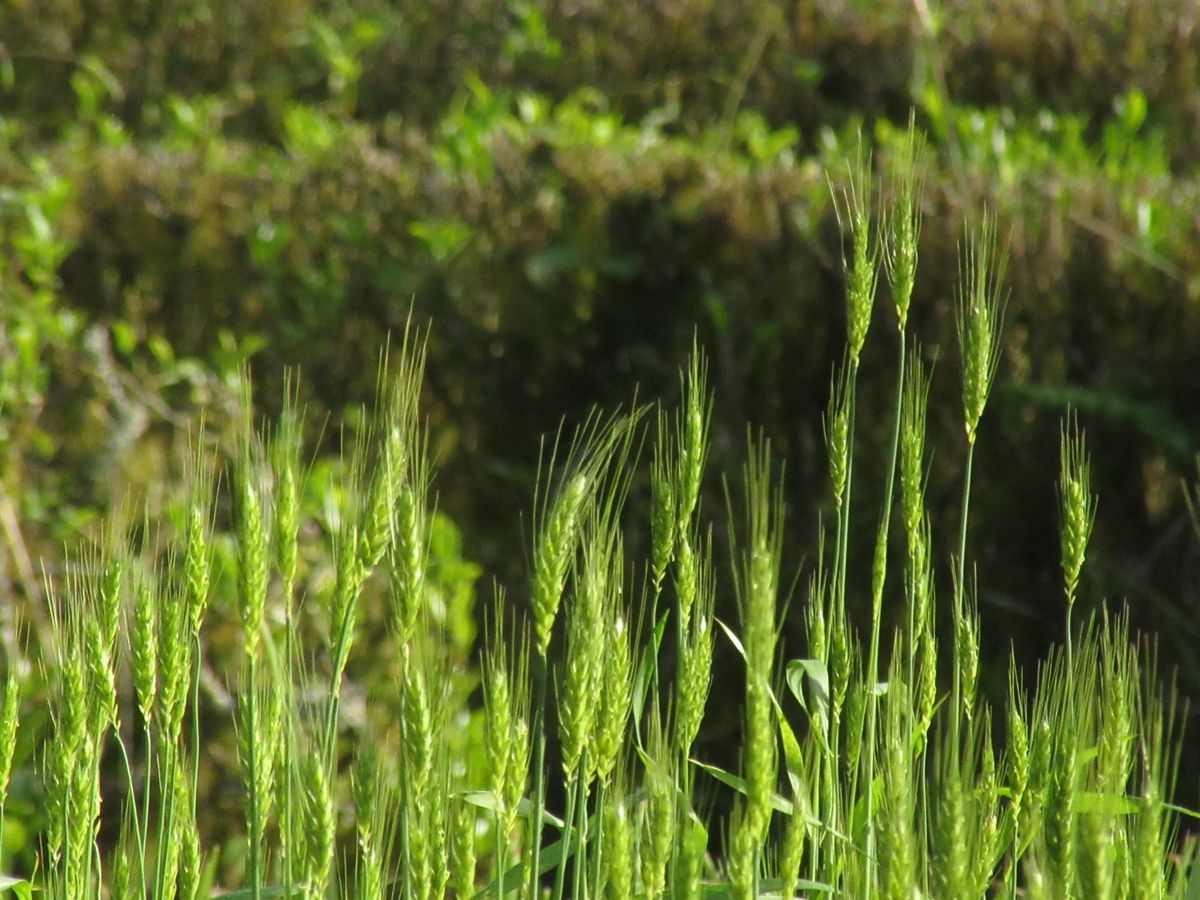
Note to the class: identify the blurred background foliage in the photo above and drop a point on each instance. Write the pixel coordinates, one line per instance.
(568, 190)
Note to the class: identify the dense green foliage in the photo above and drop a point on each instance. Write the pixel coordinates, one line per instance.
(569, 192)
(862, 770)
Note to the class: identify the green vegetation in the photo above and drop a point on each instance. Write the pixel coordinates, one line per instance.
(571, 191)
(575, 196)
(872, 766)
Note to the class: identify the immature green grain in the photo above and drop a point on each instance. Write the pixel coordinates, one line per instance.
(516, 778)
(1097, 855)
(966, 648)
(1120, 862)
(663, 519)
(187, 839)
(616, 690)
(1064, 702)
(921, 582)
(416, 727)
(795, 834)
(71, 762)
(559, 519)
(143, 641)
(10, 707)
(951, 863)
(1041, 750)
(1061, 816)
(856, 711)
(259, 742)
(980, 312)
(687, 576)
(841, 658)
(1119, 677)
(557, 527)
(174, 659)
(816, 621)
(426, 838)
(420, 708)
(981, 300)
(58, 765)
(196, 577)
(837, 431)
(363, 783)
(271, 733)
(412, 539)
(367, 787)
(102, 678)
(1151, 826)
(897, 845)
(878, 580)
(1090, 744)
(742, 861)
(617, 853)
(854, 213)
(927, 675)
(462, 849)
(198, 549)
(284, 457)
(343, 607)
(694, 425)
(319, 824)
(1149, 839)
(903, 222)
(350, 575)
(112, 565)
(166, 864)
(402, 437)
(757, 584)
(659, 811)
(506, 730)
(1018, 764)
(251, 534)
(555, 548)
(900, 254)
(912, 447)
(497, 723)
(441, 824)
(695, 670)
(102, 713)
(412, 545)
(1077, 505)
(58, 757)
(585, 636)
(987, 813)
(377, 527)
(121, 883)
(285, 464)
(690, 441)
(85, 817)
(689, 865)
(1101, 841)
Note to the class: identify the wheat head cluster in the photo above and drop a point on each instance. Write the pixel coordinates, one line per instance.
(870, 764)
